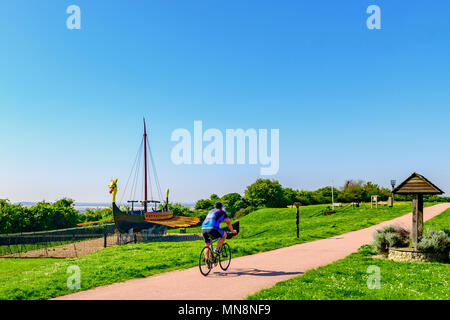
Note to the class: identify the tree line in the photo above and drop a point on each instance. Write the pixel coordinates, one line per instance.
(271, 194)
(44, 216)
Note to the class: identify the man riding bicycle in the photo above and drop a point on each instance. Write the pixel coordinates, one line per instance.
(211, 227)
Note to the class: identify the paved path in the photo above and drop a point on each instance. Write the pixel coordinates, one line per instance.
(247, 274)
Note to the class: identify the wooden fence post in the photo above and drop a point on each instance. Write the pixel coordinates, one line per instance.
(417, 219)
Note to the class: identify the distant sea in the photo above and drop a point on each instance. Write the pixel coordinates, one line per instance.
(83, 206)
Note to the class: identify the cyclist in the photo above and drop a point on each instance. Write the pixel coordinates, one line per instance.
(210, 227)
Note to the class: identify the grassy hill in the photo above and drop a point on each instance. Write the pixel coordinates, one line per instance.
(268, 229)
(263, 230)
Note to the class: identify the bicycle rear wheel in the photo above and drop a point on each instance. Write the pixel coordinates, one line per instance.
(225, 257)
(204, 264)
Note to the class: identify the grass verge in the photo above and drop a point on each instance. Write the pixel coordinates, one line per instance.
(347, 278)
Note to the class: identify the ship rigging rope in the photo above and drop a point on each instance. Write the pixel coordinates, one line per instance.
(133, 184)
(148, 174)
(131, 172)
(136, 180)
(134, 176)
(134, 172)
(158, 186)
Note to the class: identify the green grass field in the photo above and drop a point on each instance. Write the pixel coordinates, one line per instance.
(347, 278)
(263, 230)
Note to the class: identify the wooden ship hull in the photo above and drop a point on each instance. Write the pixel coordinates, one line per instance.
(134, 220)
(125, 221)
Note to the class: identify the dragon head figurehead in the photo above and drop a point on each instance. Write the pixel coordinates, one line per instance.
(113, 189)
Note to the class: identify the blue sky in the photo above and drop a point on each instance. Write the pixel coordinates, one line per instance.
(349, 102)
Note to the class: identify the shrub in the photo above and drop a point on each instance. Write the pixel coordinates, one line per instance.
(42, 216)
(245, 211)
(204, 204)
(180, 210)
(393, 239)
(201, 214)
(266, 192)
(97, 214)
(390, 236)
(233, 202)
(367, 250)
(435, 241)
(434, 198)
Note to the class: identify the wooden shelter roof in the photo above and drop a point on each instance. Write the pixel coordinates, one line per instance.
(417, 184)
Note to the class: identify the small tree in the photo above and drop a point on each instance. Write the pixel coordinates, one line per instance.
(233, 202)
(352, 190)
(64, 202)
(204, 204)
(265, 192)
(290, 195)
(371, 188)
(214, 198)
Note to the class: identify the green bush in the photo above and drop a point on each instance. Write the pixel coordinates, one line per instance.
(367, 250)
(434, 198)
(393, 239)
(435, 241)
(266, 192)
(180, 210)
(97, 214)
(390, 236)
(245, 211)
(42, 216)
(204, 204)
(233, 202)
(201, 214)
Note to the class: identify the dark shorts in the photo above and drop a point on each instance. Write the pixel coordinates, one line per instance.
(212, 232)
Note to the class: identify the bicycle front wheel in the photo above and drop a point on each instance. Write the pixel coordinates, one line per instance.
(204, 262)
(225, 257)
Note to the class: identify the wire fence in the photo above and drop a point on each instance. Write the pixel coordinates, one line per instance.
(77, 242)
(62, 243)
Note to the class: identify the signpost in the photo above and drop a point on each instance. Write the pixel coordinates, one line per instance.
(373, 199)
(297, 204)
(332, 195)
(391, 203)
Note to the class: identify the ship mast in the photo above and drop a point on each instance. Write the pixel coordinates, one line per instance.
(145, 168)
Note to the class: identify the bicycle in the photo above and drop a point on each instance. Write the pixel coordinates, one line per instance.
(223, 258)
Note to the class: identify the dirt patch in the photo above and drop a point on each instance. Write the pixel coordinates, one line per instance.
(70, 250)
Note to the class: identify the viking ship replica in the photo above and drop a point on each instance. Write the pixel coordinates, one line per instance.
(151, 218)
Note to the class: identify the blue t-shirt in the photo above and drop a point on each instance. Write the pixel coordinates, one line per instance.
(214, 218)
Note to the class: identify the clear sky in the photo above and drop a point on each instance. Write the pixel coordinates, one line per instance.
(349, 102)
